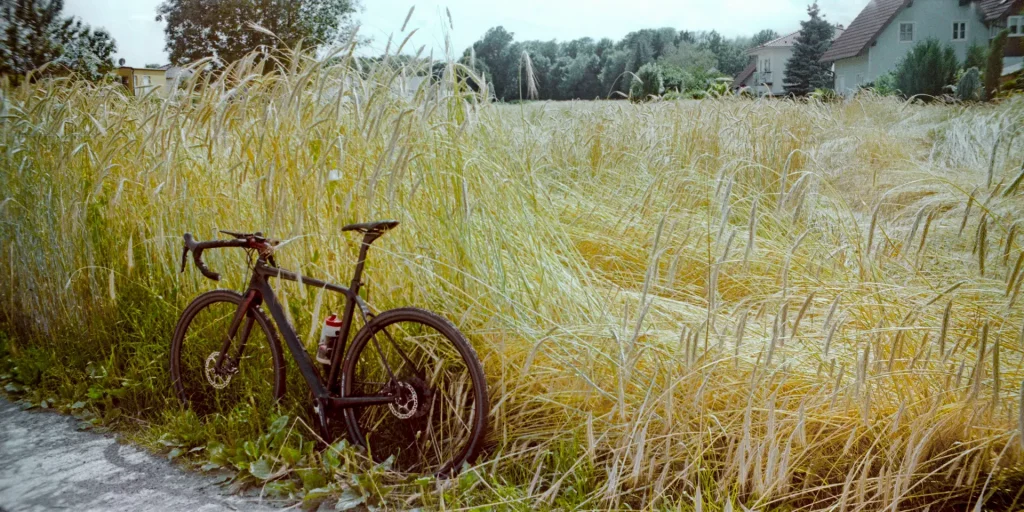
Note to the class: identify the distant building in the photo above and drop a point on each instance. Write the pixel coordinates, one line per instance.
(886, 30)
(407, 85)
(140, 81)
(766, 72)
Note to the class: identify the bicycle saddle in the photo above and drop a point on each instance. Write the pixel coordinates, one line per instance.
(379, 227)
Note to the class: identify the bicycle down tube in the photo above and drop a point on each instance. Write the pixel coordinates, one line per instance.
(321, 389)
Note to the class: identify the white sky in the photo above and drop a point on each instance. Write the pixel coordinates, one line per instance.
(140, 38)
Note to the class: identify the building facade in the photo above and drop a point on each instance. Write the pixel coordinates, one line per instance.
(766, 72)
(886, 30)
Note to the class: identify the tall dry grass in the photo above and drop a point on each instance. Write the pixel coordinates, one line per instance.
(679, 304)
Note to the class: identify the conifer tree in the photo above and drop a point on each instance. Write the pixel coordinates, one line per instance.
(994, 69)
(805, 71)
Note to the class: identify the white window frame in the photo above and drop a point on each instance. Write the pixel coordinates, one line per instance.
(963, 34)
(1015, 22)
(913, 31)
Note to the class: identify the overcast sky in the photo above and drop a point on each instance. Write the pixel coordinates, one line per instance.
(140, 38)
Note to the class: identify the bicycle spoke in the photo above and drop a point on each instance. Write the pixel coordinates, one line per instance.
(248, 374)
(431, 383)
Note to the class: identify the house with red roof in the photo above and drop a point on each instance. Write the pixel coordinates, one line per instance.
(885, 31)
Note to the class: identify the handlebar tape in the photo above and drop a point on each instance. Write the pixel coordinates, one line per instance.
(197, 256)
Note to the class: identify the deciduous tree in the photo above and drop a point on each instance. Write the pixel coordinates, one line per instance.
(34, 33)
(763, 37)
(224, 28)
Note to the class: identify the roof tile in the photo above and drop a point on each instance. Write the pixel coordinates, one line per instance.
(745, 74)
(789, 40)
(995, 9)
(864, 29)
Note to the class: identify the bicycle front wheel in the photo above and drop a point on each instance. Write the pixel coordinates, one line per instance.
(438, 421)
(253, 371)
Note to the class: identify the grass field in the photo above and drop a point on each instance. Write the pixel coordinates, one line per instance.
(679, 305)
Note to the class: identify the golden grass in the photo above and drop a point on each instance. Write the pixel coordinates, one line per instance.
(641, 350)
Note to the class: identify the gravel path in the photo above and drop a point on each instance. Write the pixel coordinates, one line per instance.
(46, 464)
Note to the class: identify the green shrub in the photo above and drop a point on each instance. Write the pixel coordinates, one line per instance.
(674, 78)
(968, 88)
(994, 68)
(672, 96)
(826, 95)
(696, 94)
(647, 83)
(977, 55)
(885, 85)
(927, 69)
(718, 89)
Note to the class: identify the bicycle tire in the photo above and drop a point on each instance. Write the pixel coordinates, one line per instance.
(383, 446)
(187, 385)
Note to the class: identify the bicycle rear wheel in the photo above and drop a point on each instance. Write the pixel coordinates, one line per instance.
(439, 420)
(253, 373)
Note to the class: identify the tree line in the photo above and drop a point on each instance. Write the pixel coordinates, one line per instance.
(36, 35)
(587, 69)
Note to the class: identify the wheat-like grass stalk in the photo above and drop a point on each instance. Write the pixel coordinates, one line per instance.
(944, 331)
(979, 365)
(982, 244)
(542, 231)
(1020, 416)
(967, 211)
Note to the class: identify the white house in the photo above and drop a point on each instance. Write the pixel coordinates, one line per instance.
(886, 30)
(766, 72)
(142, 81)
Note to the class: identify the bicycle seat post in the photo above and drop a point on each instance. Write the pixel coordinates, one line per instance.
(364, 247)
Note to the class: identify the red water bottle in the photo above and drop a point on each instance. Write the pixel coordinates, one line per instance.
(328, 335)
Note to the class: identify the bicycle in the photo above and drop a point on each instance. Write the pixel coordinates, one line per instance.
(408, 386)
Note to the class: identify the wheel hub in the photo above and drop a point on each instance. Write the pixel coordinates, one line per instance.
(218, 378)
(412, 399)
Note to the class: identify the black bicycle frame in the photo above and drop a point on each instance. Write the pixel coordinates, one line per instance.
(260, 291)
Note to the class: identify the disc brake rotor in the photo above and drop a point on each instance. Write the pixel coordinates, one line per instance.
(414, 398)
(215, 379)
(407, 403)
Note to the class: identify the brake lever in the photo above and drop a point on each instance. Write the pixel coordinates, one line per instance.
(184, 258)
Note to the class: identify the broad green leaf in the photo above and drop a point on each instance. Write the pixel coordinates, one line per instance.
(261, 469)
(349, 500)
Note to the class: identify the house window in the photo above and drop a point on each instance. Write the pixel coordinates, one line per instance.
(906, 32)
(766, 66)
(959, 31)
(1016, 26)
